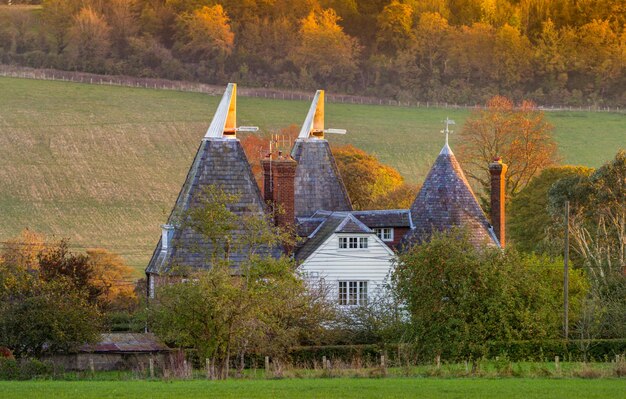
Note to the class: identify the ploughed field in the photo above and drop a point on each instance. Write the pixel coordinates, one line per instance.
(522, 388)
(102, 165)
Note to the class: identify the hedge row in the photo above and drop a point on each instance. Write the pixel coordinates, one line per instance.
(11, 369)
(574, 350)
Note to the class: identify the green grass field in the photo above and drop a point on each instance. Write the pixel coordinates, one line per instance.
(102, 165)
(321, 388)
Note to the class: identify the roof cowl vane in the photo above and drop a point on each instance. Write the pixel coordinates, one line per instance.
(446, 150)
(313, 126)
(224, 123)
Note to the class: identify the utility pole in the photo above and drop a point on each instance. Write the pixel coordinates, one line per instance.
(566, 275)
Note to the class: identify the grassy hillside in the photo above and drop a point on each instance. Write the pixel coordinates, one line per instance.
(103, 165)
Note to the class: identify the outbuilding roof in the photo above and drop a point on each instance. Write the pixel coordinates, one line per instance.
(126, 342)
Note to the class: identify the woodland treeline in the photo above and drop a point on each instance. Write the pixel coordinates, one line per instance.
(569, 52)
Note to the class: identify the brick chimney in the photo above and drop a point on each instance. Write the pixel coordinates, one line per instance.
(279, 174)
(498, 199)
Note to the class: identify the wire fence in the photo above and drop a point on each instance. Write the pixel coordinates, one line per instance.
(165, 84)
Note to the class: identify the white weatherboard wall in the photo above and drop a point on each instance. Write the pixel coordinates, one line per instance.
(334, 264)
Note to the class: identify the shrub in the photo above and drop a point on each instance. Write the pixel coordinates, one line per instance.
(11, 369)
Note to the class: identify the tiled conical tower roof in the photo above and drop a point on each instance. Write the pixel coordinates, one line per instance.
(220, 162)
(318, 184)
(446, 200)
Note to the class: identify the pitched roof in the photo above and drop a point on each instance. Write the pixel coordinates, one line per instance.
(385, 218)
(333, 222)
(318, 184)
(446, 200)
(126, 342)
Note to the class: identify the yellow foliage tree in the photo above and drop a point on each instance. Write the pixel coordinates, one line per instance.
(113, 277)
(207, 33)
(395, 24)
(371, 184)
(325, 51)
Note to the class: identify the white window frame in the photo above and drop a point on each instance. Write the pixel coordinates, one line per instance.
(385, 233)
(352, 293)
(353, 242)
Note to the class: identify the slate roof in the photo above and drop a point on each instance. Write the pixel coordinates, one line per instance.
(126, 342)
(385, 218)
(306, 226)
(222, 163)
(446, 200)
(333, 222)
(318, 184)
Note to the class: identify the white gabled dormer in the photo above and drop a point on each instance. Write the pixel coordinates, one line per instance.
(348, 257)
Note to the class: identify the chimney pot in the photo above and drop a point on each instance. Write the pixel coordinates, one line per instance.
(167, 231)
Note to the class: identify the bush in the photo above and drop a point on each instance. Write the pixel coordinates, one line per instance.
(11, 369)
(599, 349)
(512, 351)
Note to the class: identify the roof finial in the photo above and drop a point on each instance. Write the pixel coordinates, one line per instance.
(446, 148)
(314, 123)
(224, 123)
(447, 130)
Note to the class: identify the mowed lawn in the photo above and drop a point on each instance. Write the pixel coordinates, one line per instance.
(102, 165)
(321, 388)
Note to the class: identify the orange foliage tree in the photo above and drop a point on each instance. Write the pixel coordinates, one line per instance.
(371, 184)
(113, 277)
(518, 134)
(256, 146)
(105, 275)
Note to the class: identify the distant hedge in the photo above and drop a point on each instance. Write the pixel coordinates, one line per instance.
(598, 350)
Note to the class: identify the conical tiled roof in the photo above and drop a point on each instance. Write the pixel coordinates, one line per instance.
(318, 184)
(220, 162)
(446, 200)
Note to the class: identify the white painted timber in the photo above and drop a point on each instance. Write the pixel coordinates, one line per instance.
(334, 264)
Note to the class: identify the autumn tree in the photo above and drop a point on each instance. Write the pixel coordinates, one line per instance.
(113, 278)
(43, 311)
(371, 184)
(520, 135)
(122, 18)
(207, 34)
(326, 53)
(60, 263)
(394, 25)
(89, 39)
(24, 250)
(57, 20)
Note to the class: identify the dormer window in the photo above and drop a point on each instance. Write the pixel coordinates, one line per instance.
(385, 233)
(353, 242)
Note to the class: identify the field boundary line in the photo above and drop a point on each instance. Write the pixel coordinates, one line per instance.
(14, 71)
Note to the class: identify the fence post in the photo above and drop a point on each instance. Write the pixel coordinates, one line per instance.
(324, 362)
(557, 365)
(151, 367)
(267, 366)
(92, 368)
